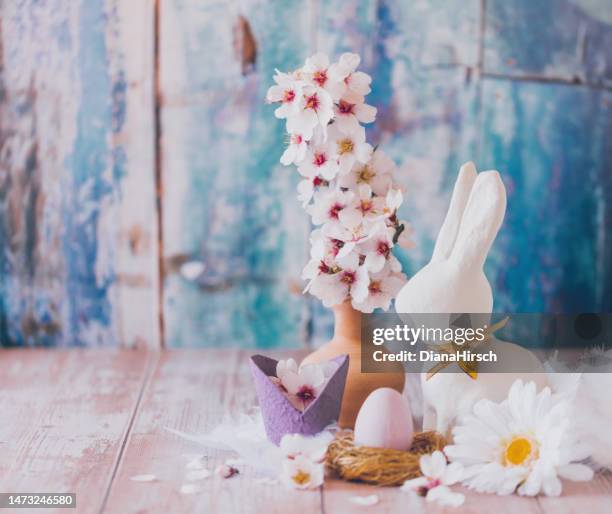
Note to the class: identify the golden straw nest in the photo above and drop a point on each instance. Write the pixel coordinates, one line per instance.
(380, 466)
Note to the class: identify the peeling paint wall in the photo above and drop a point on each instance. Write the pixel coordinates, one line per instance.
(76, 174)
(117, 118)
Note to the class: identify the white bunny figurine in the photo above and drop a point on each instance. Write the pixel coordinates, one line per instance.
(454, 282)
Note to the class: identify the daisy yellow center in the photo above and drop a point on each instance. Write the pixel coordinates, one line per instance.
(345, 146)
(301, 477)
(518, 451)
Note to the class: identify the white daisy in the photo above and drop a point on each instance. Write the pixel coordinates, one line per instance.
(522, 444)
(436, 479)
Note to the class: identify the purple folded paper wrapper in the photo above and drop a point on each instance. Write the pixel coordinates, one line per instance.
(280, 417)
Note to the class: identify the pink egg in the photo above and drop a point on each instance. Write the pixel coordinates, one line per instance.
(384, 421)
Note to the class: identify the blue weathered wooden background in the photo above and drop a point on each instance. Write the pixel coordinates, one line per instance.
(135, 148)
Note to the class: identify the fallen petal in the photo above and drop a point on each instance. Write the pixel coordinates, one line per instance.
(143, 478)
(198, 474)
(190, 489)
(197, 463)
(365, 501)
(266, 481)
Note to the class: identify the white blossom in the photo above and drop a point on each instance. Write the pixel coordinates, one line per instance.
(436, 479)
(523, 444)
(316, 110)
(376, 173)
(316, 71)
(296, 151)
(287, 92)
(320, 161)
(302, 473)
(347, 115)
(357, 82)
(351, 147)
(347, 187)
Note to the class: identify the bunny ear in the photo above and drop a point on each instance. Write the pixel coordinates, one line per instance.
(450, 227)
(482, 218)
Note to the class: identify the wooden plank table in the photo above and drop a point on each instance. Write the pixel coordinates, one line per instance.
(88, 421)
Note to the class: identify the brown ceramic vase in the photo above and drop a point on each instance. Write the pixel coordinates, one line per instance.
(347, 340)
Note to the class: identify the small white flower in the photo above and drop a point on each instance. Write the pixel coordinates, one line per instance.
(376, 173)
(383, 287)
(345, 240)
(436, 479)
(302, 473)
(296, 151)
(377, 249)
(348, 115)
(306, 190)
(351, 147)
(393, 200)
(304, 385)
(313, 448)
(286, 366)
(287, 92)
(351, 281)
(522, 444)
(357, 82)
(315, 111)
(328, 206)
(365, 208)
(319, 161)
(316, 71)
